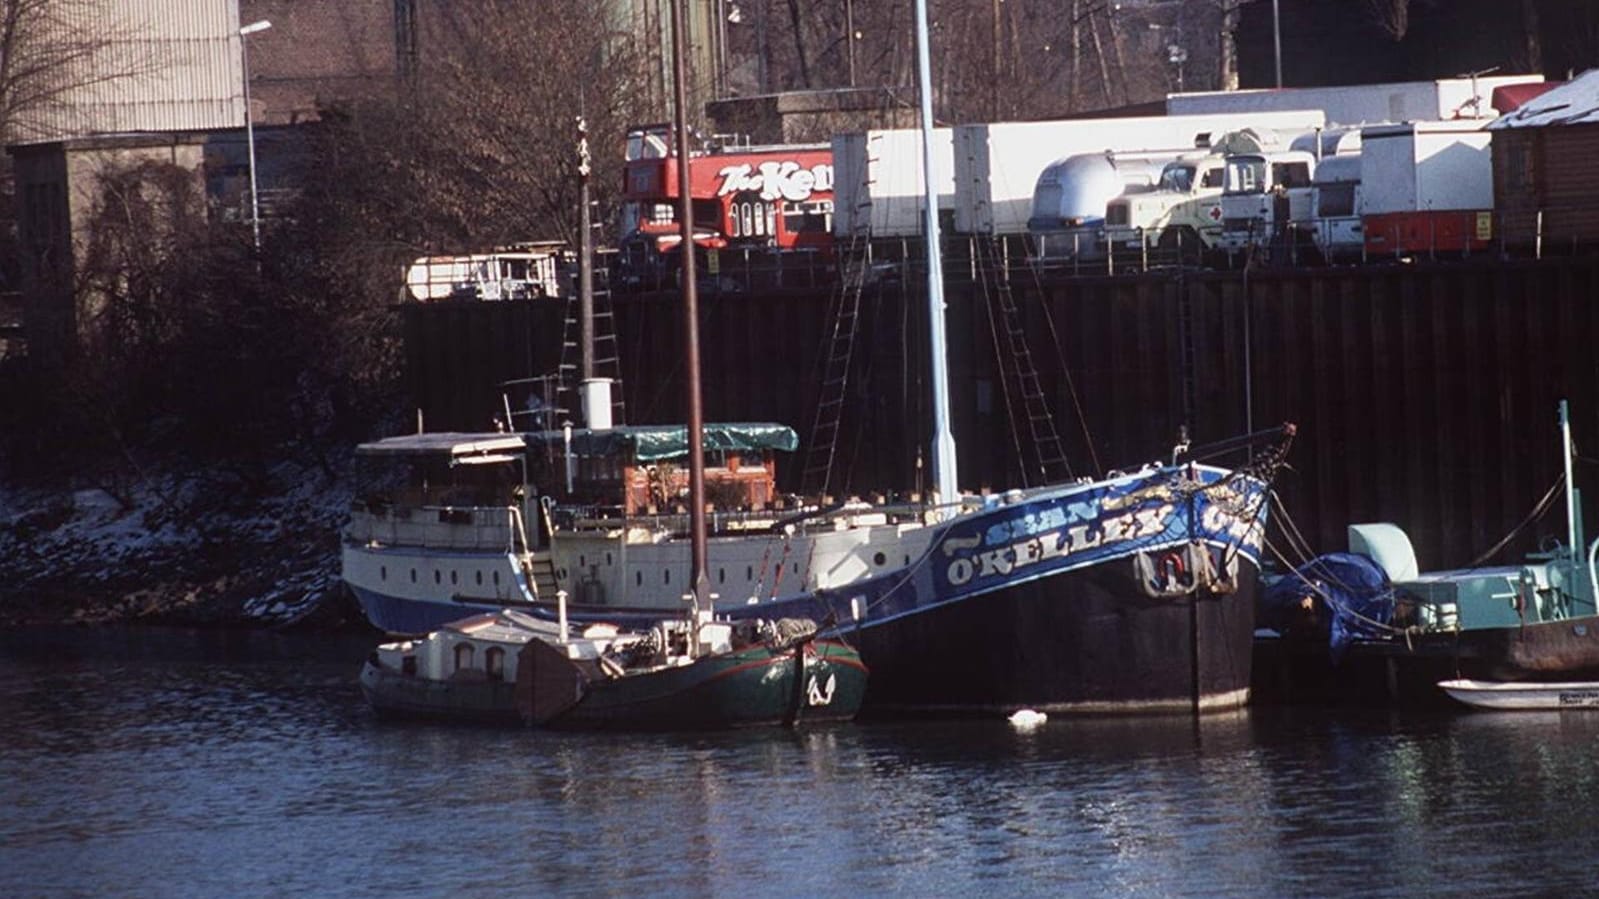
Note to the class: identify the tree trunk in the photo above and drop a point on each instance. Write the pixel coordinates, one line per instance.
(799, 43)
(1532, 41)
(1227, 52)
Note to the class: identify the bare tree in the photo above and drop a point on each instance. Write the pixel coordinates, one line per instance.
(51, 49)
(1391, 16)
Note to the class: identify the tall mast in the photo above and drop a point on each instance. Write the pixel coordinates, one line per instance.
(943, 439)
(691, 330)
(585, 263)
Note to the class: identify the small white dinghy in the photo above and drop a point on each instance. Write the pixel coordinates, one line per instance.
(1529, 696)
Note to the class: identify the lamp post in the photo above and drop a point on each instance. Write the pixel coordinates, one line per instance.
(1277, 42)
(249, 126)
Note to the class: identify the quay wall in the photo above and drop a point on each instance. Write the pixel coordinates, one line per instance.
(1425, 394)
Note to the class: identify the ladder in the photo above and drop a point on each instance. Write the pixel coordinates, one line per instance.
(1052, 464)
(607, 355)
(540, 573)
(823, 448)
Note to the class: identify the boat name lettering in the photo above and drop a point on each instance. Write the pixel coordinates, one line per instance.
(776, 180)
(1134, 525)
(1220, 519)
(1037, 522)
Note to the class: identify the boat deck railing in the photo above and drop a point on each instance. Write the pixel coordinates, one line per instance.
(483, 528)
(743, 521)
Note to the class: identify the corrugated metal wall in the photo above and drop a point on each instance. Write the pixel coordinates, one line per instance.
(1425, 395)
(137, 65)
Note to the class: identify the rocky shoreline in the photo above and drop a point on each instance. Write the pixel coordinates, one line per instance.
(178, 553)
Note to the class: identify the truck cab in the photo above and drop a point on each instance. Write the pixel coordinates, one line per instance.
(1336, 209)
(1266, 201)
(1183, 212)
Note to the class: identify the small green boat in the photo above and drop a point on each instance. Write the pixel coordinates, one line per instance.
(688, 675)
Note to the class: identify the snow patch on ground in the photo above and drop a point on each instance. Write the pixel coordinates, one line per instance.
(189, 548)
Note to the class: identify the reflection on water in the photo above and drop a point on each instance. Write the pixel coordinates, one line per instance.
(172, 764)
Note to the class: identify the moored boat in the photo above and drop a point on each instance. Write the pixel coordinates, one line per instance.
(691, 674)
(1524, 696)
(508, 667)
(1368, 625)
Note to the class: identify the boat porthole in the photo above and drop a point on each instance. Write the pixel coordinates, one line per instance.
(453, 580)
(582, 561)
(796, 568)
(721, 575)
(749, 572)
(879, 559)
(496, 578)
(383, 572)
(638, 578)
(907, 560)
(666, 575)
(413, 575)
(607, 558)
(480, 578)
(438, 577)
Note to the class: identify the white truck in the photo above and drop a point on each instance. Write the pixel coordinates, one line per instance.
(1182, 214)
(1070, 199)
(1336, 208)
(1266, 204)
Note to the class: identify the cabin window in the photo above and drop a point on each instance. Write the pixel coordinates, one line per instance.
(721, 575)
(454, 577)
(438, 576)
(879, 559)
(496, 578)
(1337, 198)
(795, 568)
(463, 656)
(1214, 178)
(494, 663)
(907, 559)
(413, 575)
(749, 573)
(1290, 174)
(480, 578)
(607, 558)
(383, 572)
(666, 575)
(582, 561)
(638, 578)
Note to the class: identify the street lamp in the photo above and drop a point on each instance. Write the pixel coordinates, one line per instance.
(249, 126)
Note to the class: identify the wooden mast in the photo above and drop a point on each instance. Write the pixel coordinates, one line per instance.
(691, 334)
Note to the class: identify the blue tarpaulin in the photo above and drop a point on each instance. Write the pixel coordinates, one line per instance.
(1353, 589)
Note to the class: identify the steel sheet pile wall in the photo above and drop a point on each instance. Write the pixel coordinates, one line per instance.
(1425, 395)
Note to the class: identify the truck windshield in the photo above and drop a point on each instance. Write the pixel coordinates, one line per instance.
(1177, 177)
(1246, 175)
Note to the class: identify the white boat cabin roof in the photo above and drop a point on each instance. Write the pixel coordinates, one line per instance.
(456, 447)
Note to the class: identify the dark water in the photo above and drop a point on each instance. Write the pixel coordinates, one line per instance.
(175, 765)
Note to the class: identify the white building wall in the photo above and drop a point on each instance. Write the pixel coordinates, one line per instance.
(137, 65)
(1358, 104)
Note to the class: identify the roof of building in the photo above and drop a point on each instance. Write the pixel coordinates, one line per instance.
(1573, 103)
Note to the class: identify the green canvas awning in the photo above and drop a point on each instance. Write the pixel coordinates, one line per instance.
(656, 443)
